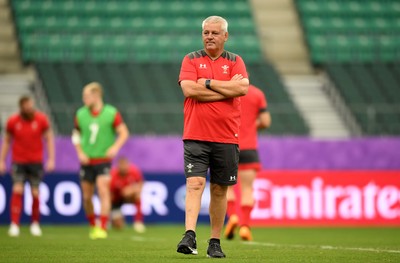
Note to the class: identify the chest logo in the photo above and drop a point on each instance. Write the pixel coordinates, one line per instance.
(203, 66)
(225, 69)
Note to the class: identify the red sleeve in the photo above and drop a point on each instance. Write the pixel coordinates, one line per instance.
(10, 125)
(117, 120)
(239, 68)
(45, 123)
(188, 70)
(136, 174)
(263, 101)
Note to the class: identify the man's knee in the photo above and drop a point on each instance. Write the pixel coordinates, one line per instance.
(103, 185)
(218, 190)
(195, 183)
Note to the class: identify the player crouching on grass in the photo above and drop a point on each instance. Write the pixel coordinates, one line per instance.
(25, 133)
(98, 136)
(126, 187)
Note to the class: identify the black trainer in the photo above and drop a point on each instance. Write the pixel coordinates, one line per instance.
(187, 245)
(214, 250)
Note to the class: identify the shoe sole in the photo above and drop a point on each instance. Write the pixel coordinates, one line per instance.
(215, 257)
(186, 250)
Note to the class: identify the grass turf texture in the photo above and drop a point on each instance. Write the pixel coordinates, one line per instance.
(158, 244)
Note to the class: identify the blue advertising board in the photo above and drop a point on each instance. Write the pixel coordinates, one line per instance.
(163, 200)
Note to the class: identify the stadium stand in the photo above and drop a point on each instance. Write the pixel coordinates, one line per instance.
(348, 31)
(372, 93)
(358, 44)
(125, 30)
(134, 48)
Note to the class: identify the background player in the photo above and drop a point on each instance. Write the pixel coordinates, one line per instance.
(25, 132)
(97, 125)
(254, 116)
(126, 187)
(211, 79)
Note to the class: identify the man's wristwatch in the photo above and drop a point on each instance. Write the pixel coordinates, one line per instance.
(208, 83)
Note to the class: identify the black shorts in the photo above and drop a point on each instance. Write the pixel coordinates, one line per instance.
(117, 204)
(90, 173)
(221, 158)
(31, 172)
(249, 160)
(248, 156)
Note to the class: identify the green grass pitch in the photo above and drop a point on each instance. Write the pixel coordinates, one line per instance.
(158, 244)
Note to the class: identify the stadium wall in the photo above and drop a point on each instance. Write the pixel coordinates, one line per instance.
(305, 182)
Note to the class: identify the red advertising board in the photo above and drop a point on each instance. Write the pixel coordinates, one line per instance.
(317, 198)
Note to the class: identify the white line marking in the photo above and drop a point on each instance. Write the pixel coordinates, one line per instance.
(365, 249)
(146, 239)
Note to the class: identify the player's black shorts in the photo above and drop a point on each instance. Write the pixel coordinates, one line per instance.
(117, 204)
(249, 160)
(31, 172)
(248, 156)
(221, 158)
(90, 173)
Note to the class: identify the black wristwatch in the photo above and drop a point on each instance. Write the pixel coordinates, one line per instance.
(208, 83)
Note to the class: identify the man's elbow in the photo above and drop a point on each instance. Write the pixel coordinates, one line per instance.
(244, 90)
(244, 87)
(188, 92)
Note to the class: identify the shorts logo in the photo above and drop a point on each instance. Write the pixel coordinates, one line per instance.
(189, 166)
(232, 178)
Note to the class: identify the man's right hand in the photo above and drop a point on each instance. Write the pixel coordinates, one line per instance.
(83, 158)
(3, 167)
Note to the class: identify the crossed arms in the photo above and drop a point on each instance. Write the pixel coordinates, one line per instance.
(220, 90)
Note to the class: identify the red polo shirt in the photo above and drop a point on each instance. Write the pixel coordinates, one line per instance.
(252, 105)
(217, 121)
(27, 137)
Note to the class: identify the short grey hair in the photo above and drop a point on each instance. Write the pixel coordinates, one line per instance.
(216, 19)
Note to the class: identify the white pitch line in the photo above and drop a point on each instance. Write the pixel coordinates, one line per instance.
(365, 249)
(146, 239)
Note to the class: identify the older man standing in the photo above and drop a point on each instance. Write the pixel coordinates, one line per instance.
(212, 80)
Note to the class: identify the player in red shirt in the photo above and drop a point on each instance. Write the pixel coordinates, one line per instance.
(254, 116)
(212, 81)
(126, 187)
(24, 133)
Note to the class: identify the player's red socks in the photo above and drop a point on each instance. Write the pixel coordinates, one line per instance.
(139, 214)
(246, 210)
(92, 219)
(103, 222)
(16, 207)
(231, 208)
(35, 209)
